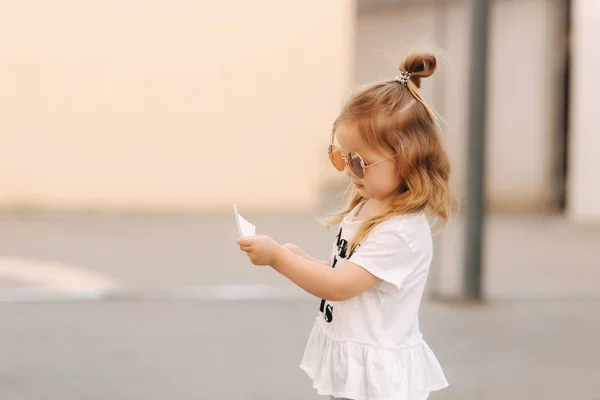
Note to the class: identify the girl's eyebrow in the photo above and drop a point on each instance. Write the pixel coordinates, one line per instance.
(337, 144)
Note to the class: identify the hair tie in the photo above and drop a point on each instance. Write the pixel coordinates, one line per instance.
(403, 78)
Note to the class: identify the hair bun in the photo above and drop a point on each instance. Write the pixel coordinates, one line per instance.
(419, 65)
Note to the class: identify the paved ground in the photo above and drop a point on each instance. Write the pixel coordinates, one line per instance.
(518, 350)
(160, 336)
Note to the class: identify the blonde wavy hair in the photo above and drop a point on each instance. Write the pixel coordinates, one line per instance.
(394, 118)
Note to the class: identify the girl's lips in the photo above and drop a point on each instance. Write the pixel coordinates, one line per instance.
(358, 185)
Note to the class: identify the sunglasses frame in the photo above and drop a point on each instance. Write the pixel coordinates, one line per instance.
(332, 148)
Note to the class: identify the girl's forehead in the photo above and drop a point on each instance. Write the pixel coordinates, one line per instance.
(348, 137)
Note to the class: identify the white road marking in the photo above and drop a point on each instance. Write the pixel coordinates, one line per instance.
(53, 277)
(41, 281)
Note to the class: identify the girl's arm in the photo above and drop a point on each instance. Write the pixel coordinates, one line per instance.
(326, 283)
(297, 250)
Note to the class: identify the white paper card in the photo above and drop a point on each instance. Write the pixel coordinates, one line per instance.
(245, 228)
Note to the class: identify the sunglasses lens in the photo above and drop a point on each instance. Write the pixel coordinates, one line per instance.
(336, 158)
(357, 166)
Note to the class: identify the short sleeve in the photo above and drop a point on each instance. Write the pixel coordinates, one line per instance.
(386, 255)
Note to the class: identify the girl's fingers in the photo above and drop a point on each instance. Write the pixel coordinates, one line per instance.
(244, 241)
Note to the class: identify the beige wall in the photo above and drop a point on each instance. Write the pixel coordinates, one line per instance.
(125, 104)
(182, 104)
(583, 194)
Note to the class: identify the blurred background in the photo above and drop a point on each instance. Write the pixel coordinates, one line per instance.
(128, 129)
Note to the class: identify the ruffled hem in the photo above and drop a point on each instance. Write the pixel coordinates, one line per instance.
(359, 371)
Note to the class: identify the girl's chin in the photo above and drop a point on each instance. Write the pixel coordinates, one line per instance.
(362, 192)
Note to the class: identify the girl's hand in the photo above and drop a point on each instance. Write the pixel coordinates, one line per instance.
(261, 250)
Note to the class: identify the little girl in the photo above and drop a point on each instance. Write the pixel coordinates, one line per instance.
(366, 343)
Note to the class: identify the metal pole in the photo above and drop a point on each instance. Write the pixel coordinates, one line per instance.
(475, 188)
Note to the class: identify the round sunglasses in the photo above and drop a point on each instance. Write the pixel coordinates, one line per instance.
(353, 160)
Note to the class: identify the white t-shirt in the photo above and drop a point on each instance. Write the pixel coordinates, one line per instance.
(370, 347)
